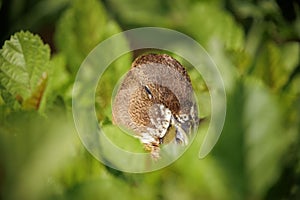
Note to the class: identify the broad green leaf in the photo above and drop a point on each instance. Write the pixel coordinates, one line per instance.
(123, 140)
(206, 21)
(167, 13)
(199, 178)
(229, 151)
(24, 62)
(58, 81)
(58, 76)
(9, 100)
(254, 140)
(112, 75)
(266, 138)
(275, 63)
(142, 13)
(79, 30)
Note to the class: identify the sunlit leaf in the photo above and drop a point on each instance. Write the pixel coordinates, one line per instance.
(144, 13)
(275, 63)
(108, 82)
(206, 21)
(24, 62)
(266, 139)
(57, 83)
(79, 30)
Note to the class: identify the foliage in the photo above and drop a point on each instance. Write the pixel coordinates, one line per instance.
(24, 66)
(254, 44)
(77, 35)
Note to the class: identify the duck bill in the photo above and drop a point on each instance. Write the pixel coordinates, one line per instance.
(181, 135)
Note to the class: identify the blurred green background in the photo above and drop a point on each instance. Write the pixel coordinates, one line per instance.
(254, 43)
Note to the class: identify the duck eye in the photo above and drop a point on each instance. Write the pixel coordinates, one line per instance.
(185, 117)
(148, 91)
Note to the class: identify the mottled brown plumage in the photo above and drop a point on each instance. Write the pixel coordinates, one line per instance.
(156, 96)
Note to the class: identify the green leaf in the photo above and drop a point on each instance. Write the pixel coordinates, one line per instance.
(254, 139)
(35, 14)
(24, 61)
(141, 13)
(275, 63)
(112, 75)
(79, 30)
(33, 150)
(266, 138)
(58, 81)
(206, 21)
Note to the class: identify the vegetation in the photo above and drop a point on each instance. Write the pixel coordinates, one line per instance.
(255, 45)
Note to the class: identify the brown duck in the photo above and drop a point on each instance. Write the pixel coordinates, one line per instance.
(156, 102)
